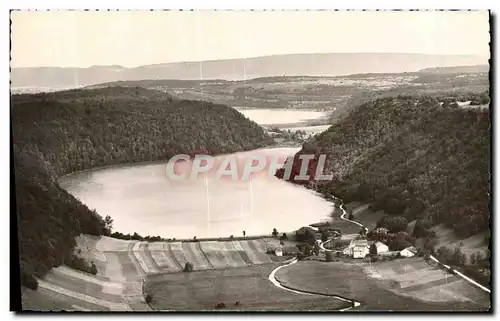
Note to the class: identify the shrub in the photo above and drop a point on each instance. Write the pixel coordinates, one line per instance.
(93, 269)
(220, 305)
(148, 298)
(80, 264)
(29, 281)
(329, 256)
(188, 267)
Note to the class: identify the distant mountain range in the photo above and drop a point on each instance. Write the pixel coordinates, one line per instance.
(329, 64)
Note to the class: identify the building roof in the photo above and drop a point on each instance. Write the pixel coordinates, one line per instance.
(411, 249)
(378, 243)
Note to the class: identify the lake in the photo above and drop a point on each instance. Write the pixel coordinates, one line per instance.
(140, 198)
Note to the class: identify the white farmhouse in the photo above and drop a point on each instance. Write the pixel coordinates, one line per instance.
(358, 249)
(278, 251)
(409, 252)
(381, 247)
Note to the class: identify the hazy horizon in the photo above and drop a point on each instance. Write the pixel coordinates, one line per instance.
(130, 39)
(263, 56)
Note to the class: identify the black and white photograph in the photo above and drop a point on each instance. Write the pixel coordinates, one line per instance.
(251, 161)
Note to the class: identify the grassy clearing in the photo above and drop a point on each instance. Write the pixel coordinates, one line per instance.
(416, 278)
(350, 281)
(202, 290)
(344, 226)
(367, 217)
(446, 237)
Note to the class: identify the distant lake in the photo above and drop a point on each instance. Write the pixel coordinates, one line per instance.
(264, 116)
(310, 130)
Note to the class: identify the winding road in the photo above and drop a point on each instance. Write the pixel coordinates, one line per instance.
(276, 282)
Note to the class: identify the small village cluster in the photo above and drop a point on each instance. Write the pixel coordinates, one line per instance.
(359, 249)
(349, 245)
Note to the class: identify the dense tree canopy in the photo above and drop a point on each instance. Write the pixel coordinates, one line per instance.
(411, 157)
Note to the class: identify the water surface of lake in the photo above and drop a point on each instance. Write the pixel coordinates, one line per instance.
(140, 198)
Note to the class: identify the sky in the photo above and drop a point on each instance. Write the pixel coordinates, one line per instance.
(133, 38)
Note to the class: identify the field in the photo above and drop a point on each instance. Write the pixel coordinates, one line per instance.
(419, 279)
(249, 285)
(122, 265)
(446, 237)
(116, 287)
(358, 282)
(345, 226)
(364, 215)
(167, 257)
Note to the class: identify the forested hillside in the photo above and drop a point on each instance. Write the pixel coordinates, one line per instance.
(410, 156)
(58, 133)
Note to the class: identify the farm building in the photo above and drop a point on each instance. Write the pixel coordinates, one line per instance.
(278, 251)
(409, 252)
(357, 249)
(381, 247)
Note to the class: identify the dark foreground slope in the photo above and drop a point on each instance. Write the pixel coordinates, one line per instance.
(58, 133)
(412, 157)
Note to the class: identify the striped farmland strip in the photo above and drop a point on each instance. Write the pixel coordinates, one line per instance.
(61, 301)
(214, 252)
(113, 306)
(107, 286)
(163, 257)
(176, 248)
(234, 256)
(80, 286)
(260, 245)
(146, 254)
(254, 255)
(138, 258)
(194, 255)
(237, 246)
(199, 249)
(124, 267)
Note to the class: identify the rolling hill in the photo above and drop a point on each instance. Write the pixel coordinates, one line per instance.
(327, 64)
